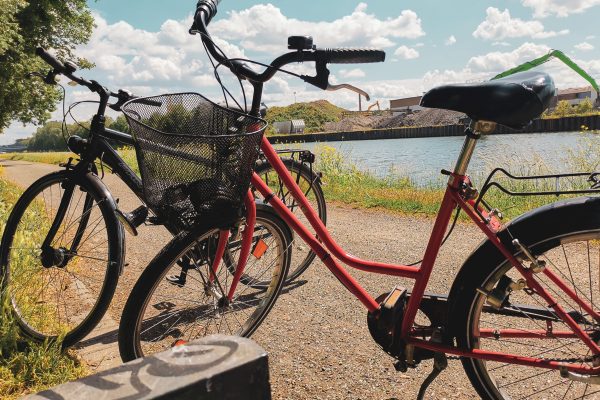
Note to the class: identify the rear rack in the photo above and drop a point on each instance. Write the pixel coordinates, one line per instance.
(543, 185)
(304, 156)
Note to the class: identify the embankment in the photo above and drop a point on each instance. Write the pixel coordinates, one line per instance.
(566, 124)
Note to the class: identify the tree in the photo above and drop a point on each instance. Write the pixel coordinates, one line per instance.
(120, 124)
(49, 137)
(27, 24)
(563, 109)
(585, 107)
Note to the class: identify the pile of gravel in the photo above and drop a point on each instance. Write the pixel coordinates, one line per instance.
(428, 117)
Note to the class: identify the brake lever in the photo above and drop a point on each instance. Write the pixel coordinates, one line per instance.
(347, 86)
(122, 97)
(321, 80)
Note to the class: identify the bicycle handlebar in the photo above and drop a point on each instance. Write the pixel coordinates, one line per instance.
(351, 56)
(207, 9)
(50, 59)
(67, 69)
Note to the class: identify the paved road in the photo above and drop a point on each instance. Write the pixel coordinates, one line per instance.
(318, 343)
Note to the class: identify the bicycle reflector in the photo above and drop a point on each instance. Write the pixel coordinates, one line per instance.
(260, 249)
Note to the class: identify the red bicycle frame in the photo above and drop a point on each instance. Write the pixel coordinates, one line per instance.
(331, 254)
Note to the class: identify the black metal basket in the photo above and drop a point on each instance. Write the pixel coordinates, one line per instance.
(196, 158)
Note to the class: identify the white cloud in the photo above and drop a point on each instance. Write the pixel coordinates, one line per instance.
(560, 8)
(406, 53)
(500, 61)
(264, 28)
(352, 73)
(450, 41)
(503, 44)
(500, 25)
(585, 46)
(590, 37)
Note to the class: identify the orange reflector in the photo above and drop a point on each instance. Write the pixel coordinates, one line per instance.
(180, 342)
(260, 249)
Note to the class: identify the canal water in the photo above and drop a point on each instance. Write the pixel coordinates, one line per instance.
(421, 159)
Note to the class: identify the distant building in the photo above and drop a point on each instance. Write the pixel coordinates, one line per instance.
(575, 95)
(404, 105)
(287, 127)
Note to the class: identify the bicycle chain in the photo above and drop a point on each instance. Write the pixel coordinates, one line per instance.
(569, 360)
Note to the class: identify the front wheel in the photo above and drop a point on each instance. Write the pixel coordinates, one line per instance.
(575, 258)
(175, 300)
(59, 285)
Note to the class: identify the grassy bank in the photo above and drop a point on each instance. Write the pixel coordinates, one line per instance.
(346, 183)
(27, 367)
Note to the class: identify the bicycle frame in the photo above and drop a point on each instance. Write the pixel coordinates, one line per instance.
(329, 252)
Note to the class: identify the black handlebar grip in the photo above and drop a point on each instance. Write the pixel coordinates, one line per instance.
(50, 59)
(352, 56)
(209, 7)
(149, 102)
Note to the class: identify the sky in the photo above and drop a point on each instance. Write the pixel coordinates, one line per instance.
(144, 45)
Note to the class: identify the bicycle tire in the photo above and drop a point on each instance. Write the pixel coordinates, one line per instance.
(492, 380)
(199, 244)
(303, 256)
(80, 240)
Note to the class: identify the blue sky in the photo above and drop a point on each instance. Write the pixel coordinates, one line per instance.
(143, 45)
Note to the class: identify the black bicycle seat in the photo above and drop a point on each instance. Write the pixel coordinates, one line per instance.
(513, 101)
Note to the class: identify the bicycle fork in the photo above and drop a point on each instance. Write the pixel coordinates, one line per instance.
(60, 257)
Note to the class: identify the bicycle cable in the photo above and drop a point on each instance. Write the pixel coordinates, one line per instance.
(445, 238)
(218, 77)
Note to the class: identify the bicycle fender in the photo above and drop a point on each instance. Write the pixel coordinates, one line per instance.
(103, 193)
(553, 220)
(269, 209)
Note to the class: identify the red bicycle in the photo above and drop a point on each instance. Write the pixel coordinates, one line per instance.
(520, 314)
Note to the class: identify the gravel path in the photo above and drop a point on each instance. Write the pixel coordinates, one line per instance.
(316, 336)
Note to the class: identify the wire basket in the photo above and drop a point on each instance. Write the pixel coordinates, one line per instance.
(196, 158)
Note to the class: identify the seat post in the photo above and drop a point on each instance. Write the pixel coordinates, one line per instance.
(473, 133)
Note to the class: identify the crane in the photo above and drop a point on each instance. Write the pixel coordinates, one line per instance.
(545, 58)
(373, 105)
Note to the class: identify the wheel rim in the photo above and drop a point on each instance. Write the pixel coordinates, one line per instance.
(302, 254)
(57, 299)
(172, 313)
(576, 259)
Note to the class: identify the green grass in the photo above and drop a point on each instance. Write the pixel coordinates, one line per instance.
(345, 183)
(27, 367)
(315, 114)
(57, 157)
(46, 158)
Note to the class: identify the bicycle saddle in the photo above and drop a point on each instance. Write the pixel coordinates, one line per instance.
(513, 101)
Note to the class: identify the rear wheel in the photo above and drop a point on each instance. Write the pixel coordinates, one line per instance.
(574, 257)
(61, 290)
(310, 183)
(162, 311)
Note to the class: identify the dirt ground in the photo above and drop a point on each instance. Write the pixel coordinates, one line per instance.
(316, 336)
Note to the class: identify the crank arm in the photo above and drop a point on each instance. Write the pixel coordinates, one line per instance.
(352, 88)
(587, 379)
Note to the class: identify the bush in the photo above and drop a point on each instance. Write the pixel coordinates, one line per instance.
(563, 109)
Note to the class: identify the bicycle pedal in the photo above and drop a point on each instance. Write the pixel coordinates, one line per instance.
(175, 280)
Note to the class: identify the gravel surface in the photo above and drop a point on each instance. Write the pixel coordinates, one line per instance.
(316, 336)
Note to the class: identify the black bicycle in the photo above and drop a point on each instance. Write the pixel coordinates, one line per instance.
(63, 247)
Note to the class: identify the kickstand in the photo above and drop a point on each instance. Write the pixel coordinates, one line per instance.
(440, 362)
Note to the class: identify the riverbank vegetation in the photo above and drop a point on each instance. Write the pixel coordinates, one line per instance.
(565, 109)
(346, 183)
(27, 367)
(315, 114)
